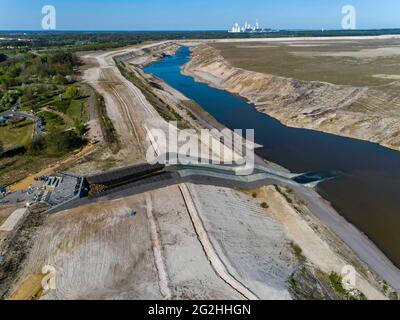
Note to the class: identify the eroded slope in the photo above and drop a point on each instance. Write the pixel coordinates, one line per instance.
(358, 112)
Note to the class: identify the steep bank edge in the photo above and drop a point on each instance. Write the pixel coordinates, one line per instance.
(312, 105)
(370, 270)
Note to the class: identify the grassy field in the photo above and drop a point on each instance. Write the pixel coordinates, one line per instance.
(74, 109)
(64, 114)
(77, 110)
(18, 167)
(53, 121)
(356, 63)
(16, 135)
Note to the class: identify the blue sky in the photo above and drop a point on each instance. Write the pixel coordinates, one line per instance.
(196, 14)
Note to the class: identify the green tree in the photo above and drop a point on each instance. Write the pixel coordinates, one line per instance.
(59, 79)
(9, 99)
(72, 92)
(36, 146)
(3, 57)
(7, 81)
(60, 142)
(80, 128)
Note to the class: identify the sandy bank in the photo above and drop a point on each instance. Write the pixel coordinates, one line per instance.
(356, 112)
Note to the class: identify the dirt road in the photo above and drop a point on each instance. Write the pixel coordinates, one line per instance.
(126, 106)
(132, 115)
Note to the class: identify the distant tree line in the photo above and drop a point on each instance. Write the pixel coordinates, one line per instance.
(91, 40)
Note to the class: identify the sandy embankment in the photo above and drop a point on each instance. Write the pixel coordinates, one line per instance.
(312, 105)
(320, 247)
(132, 114)
(103, 251)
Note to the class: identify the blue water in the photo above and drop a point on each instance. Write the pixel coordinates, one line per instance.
(367, 195)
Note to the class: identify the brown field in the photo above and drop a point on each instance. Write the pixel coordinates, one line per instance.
(355, 63)
(347, 88)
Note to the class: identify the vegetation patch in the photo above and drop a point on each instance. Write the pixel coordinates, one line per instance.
(168, 113)
(108, 130)
(293, 283)
(264, 205)
(13, 135)
(337, 283)
(77, 111)
(53, 122)
(298, 252)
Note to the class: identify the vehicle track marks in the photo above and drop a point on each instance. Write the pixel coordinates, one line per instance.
(215, 260)
(163, 278)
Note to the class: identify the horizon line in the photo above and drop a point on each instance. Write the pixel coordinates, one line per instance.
(188, 30)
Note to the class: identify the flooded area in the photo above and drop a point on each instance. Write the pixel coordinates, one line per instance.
(366, 194)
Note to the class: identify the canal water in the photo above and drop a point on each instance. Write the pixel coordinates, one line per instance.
(367, 194)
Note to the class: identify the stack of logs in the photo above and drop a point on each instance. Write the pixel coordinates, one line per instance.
(97, 188)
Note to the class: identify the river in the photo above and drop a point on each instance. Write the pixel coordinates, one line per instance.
(367, 194)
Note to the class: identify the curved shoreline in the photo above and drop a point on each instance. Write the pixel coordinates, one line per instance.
(364, 248)
(290, 101)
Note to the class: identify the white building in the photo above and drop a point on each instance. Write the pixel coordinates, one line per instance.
(235, 28)
(246, 28)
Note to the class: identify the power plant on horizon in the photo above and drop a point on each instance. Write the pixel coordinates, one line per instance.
(248, 28)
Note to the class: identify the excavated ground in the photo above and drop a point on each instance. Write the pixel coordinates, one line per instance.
(369, 111)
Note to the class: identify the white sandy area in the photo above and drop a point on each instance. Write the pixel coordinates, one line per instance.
(363, 53)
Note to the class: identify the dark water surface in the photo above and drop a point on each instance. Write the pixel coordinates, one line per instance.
(367, 195)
